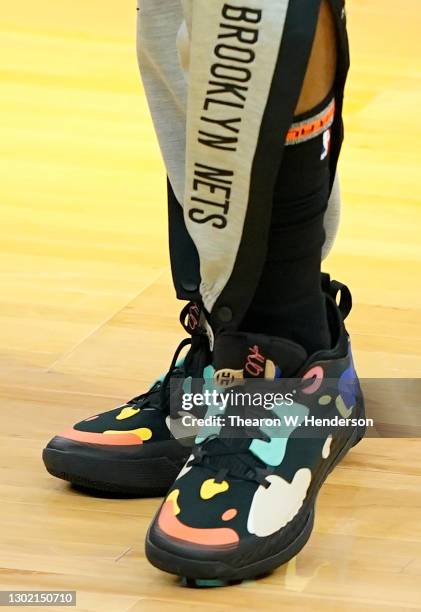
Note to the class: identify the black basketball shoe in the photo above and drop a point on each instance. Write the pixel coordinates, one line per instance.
(244, 502)
(130, 449)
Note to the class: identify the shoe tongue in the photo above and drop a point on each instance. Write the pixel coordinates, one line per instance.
(242, 355)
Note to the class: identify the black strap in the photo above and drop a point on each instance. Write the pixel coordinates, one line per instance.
(335, 288)
(345, 297)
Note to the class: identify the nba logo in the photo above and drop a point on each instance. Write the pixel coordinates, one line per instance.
(326, 145)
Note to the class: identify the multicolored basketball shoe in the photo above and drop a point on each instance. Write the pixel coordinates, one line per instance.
(130, 449)
(244, 502)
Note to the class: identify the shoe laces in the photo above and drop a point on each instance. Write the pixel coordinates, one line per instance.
(158, 397)
(232, 456)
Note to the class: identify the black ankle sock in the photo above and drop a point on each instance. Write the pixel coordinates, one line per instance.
(289, 301)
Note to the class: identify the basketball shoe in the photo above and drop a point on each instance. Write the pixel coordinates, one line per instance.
(130, 449)
(244, 502)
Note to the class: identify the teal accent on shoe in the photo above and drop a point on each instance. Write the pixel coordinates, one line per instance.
(273, 452)
(187, 384)
(199, 583)
(208, 375)
(213, 409)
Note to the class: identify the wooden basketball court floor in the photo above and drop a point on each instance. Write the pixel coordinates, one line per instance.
(88, 316)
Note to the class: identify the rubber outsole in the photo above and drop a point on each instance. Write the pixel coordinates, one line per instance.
(197, 570)
(144, 477)
(194, 570)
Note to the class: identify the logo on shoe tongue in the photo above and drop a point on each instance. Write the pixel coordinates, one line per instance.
(228, 377)
(255, 363)
(256, 366)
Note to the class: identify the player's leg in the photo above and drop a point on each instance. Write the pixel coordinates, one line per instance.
(218, 262)
(164, 60)
(84, 454)
(258, 179)
(289, 300)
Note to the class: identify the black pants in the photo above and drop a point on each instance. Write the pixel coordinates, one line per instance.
(200, 227)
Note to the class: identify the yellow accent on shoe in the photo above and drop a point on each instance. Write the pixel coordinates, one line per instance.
(127, 412)
(210, 488)
(270, 370)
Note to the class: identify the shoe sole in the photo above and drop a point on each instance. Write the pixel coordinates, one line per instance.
(195, 571)
(144, 477)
